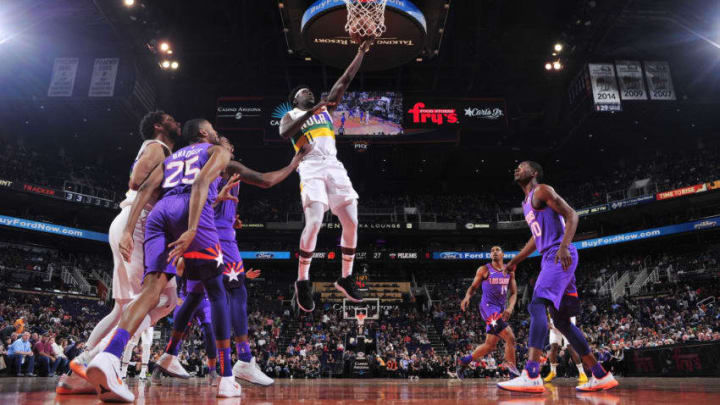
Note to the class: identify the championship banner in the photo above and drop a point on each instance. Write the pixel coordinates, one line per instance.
(102, 81)
(62, 80)
(666, 195)
(52, 228)
(604, 86)
(630, 76)
(659, 81)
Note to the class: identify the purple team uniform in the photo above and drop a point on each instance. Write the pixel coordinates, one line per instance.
(548, 229)
(494, 299)
(169, 218)
(201, 314)
(234, 272)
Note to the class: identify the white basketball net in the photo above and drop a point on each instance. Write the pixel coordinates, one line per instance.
(366, 18)
(360, 319)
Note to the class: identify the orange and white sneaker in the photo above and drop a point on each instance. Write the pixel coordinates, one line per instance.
(73, 384)
(104, 373)
(228, 388)
(78, 365)
(600, 384)
(523, 384)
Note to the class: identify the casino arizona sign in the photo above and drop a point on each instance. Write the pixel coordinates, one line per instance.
(421, 114)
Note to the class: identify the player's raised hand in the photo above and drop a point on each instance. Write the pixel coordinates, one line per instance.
(252, 273)
(464, 303)
(224, 194)
(365, 45)
(126, 246)
(563, 256)
(510, 267)
(180, 246)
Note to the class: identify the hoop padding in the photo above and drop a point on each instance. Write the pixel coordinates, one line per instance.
(366, 18)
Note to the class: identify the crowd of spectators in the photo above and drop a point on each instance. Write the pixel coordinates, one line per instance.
(41, 268)
(58, 169)
(40, 333)
(581, 189)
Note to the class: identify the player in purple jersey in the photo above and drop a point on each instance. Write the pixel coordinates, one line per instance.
(499, 295)
(553, 224)
(183, 213)
(234, 275)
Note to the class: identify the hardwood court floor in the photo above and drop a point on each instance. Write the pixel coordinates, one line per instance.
(695, 391)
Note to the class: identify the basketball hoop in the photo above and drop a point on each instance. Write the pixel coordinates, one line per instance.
(360, 319)
(365, 18)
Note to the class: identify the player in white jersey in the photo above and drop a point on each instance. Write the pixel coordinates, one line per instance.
(324, 182)
(159, 131)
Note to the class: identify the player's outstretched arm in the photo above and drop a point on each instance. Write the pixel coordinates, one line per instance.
(552, 199)
(145, 192)
(338, 90)
(512, 297)
(524, 253)
(290, 126)
(269, 179)
(480, 275)
(219, 158)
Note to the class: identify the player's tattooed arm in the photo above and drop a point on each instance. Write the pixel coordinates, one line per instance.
(145, 192)
(547, 195)
(338, 90)
(480, 275)
(512, 298)
(269, 179)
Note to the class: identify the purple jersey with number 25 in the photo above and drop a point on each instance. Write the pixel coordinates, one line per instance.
(169, 218)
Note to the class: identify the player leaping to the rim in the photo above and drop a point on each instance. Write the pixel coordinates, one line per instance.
(323, 180)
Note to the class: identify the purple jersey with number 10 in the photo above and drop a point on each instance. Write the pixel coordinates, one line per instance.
(546, 225)
(548, 229)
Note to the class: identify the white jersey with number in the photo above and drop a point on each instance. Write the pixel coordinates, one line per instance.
(317, 130)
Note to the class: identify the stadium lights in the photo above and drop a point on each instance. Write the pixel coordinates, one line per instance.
(557, 65)
(548, 66)
(558, 47)
(164, 47)
(129, 3)
(174, 65)
(165, 64)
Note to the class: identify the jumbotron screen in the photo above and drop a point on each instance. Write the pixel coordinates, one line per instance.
(368, 113)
